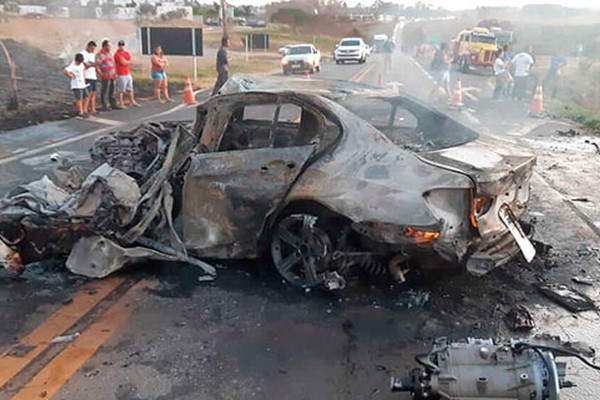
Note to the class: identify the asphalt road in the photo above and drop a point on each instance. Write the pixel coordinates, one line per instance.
(156, 332)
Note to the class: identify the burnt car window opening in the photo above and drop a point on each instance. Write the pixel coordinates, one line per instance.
(424, 132)
(276, 125)
(300, 50)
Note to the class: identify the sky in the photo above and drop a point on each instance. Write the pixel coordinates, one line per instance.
(459, 4)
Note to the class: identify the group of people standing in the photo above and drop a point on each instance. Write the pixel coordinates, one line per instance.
(514, 75)
(112, 72)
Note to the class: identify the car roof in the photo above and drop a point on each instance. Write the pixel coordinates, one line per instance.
(351, 38)
(302, 45)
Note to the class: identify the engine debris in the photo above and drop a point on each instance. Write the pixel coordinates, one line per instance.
(519, 319)
(481, 369)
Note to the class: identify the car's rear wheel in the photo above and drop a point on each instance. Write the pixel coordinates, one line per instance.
(301, 250)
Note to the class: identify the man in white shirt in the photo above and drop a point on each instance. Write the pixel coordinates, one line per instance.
(75, 71)
(91, 78)
(499, 74)
(522, 63)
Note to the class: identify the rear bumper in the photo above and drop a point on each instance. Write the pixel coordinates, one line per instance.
(298, 68)
(488, 255)
(348, 57)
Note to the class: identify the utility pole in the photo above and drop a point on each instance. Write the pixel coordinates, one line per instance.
(224, 16)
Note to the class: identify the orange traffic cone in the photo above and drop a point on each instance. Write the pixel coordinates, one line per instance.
(537, 105)
(307, 74)
(380, 81)
(188, 92)
(457, 100)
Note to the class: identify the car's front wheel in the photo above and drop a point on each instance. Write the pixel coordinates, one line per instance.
(318, 68)
(301, 250)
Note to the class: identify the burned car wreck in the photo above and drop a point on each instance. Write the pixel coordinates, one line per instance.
(323, 176)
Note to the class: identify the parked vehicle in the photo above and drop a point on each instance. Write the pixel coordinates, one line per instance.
(301, 58)
(351, 49)
(379, 42)
(475, 49)
(283, 50)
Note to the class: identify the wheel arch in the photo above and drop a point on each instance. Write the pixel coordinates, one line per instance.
(309, 206)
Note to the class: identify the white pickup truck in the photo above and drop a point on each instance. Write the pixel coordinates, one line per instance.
(301, 57)
(351, 49)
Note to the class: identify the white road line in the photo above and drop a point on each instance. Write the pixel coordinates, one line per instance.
(104, 121)
(74, 139)
(469, 95)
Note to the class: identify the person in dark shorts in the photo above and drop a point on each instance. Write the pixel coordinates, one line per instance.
(222, 65)
(108, 73)
(89, 61)
(75, 71)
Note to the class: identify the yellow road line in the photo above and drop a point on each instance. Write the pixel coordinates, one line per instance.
(57, 324)
(360, 75)
(57, 372)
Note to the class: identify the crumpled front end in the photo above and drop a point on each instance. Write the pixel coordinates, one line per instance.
(121, 212)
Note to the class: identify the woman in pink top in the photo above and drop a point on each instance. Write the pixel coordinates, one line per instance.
(159, 74)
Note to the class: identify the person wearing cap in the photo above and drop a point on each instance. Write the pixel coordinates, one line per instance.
(108, 72)
(89, 61)
(222, 65)
(124, 79)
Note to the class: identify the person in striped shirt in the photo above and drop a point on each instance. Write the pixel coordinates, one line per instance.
(108, 72)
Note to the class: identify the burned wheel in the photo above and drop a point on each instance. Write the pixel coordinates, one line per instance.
(301, 250)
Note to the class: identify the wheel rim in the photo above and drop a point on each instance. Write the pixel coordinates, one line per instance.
(301, 250)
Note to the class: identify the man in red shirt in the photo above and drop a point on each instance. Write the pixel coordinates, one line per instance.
(124, 80)
(106, 67)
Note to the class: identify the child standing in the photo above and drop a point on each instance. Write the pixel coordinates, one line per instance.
(75, 71)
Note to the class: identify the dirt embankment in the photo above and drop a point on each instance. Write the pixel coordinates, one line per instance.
(43, 91)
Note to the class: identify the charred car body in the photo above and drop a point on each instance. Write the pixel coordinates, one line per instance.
(325, 178)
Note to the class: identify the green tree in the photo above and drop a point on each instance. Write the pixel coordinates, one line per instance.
(11, 7)
(244, 11)
(290, 16)
(175, 14)
(108, 9)
(146, 10)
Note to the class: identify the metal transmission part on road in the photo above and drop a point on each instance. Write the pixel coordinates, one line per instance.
(480, 369)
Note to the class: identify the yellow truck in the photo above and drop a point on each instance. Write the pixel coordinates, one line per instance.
(474, 49)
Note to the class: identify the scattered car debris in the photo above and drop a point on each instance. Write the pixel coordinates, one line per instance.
(567, 297)
(65, 338)
(413, 298)
(583, 280)
(519, 319)
(326, 176)
(593, 144)
(482, 369)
